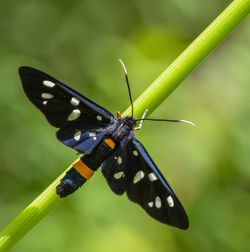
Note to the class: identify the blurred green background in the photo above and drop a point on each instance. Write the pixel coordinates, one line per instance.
(79, 42)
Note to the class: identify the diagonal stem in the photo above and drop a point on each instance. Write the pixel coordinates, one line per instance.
(152, 97)
(198, 50)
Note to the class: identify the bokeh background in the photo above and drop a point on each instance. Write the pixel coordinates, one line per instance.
(79, 42)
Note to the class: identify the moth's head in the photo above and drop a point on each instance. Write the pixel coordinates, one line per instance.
(130, 121)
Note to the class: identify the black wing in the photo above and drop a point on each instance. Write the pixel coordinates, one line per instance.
(80, 120)
(132, 170)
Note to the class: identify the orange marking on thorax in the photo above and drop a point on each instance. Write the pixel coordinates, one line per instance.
(83, 169)
(110, 142)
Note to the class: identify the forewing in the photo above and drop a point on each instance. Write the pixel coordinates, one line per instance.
(144, 184)
(83, 141)
(65, 108)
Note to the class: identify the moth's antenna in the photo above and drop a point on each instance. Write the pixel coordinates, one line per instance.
(166, 120)
(128, 85)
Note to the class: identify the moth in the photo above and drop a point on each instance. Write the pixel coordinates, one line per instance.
(107, 141)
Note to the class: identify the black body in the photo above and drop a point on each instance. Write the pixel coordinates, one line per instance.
(84, 125)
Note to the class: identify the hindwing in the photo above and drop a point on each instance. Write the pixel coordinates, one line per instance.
(133, 171)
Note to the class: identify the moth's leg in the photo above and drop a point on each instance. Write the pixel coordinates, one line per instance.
(141, 121)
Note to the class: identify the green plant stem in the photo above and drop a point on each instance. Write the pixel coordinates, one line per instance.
(204, 44)
(162, 87)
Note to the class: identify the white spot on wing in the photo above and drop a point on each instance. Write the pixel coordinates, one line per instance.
(135, 153)
(49, 84)
(158, 202)
(47, 96)
(118, 175)
(45, 103)
(74, 115)
(119, 160)
(150, 204)
(152, 176)
(92, 134)
(138, 176)
(99, 118)
(170, 201)
(74, 101)
(77, 135)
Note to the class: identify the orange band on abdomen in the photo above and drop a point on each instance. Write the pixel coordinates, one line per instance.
(110, 143)
(83, 169)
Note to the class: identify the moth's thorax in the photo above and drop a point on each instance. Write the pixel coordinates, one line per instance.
(123, 128)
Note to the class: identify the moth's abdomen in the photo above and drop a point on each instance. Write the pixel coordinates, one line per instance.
(70, 183)
(85, 171)
(84, 168)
